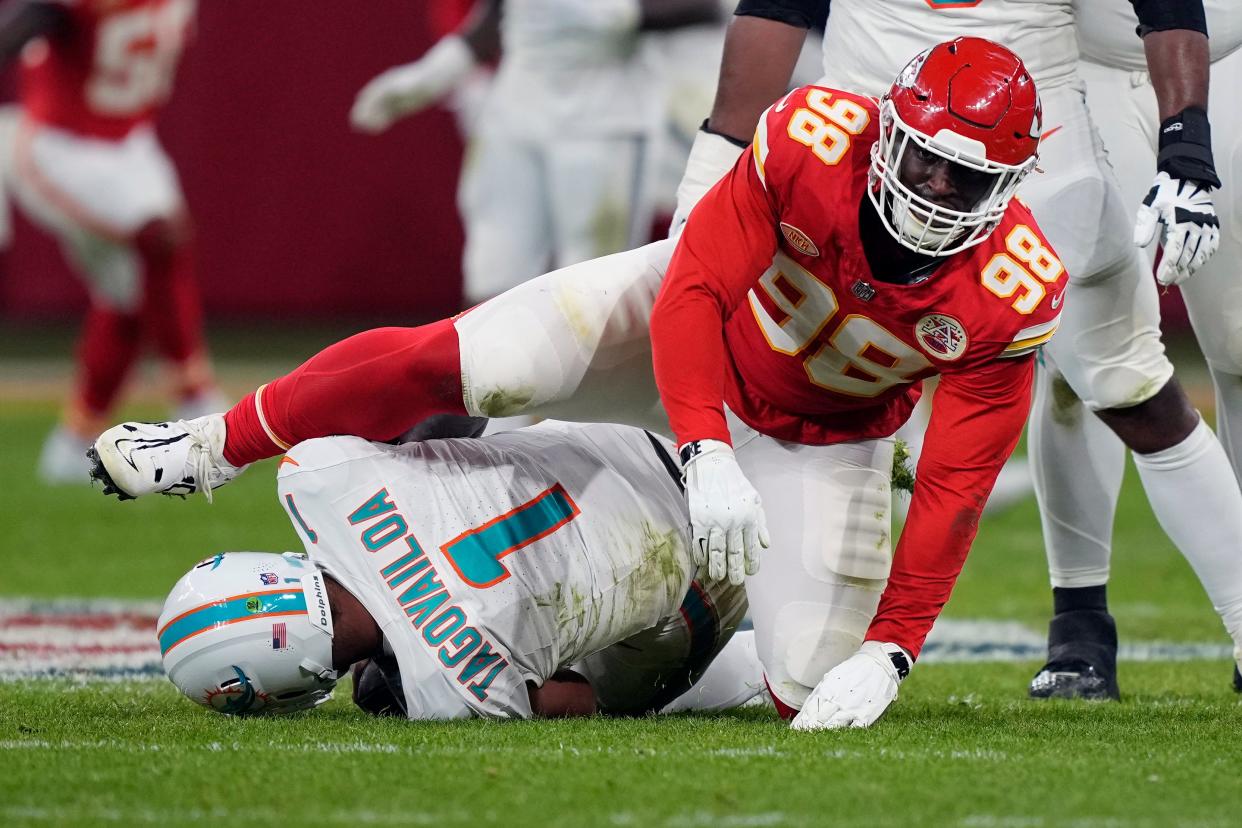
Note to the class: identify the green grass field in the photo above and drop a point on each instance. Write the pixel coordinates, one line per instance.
(961, 747)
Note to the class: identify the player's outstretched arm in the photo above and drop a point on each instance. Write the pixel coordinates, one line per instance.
(1178, 208)
(23, 20)
(728, 241)
(976, 422)
(409, 88)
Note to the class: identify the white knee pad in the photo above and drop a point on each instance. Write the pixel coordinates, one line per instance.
(811, 638)
(817, 590)
(863, 525)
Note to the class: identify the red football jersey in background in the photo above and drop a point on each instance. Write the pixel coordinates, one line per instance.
(110, 70)
(770, 306)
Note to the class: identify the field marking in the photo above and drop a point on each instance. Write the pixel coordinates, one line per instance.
(97, 639)
(115, 640)
(955, 640)
(544, 753)
(621, 819)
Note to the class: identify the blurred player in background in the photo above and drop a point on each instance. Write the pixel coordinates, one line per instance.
(1080, 498)
(85, 164)
(689, 64)
(544, 571)
(561, 148)
(848, 255)
(1109, 354)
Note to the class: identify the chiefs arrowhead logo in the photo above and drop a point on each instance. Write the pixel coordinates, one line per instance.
(798, 240)
(941, 336)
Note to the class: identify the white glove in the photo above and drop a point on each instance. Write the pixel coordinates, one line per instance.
(711, 156)
(1191, 230)
(726, 517)
(406, 89)
(857, 691)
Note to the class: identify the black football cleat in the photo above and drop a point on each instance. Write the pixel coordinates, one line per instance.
(1082, 658)
(1237, 680)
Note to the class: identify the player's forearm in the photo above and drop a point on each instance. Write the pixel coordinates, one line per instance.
(656, 15)
(975, 426)
(758, 61)
(727, 243)
(688, 355)
(1174, 36)
(1178, 61)
(21, 21)
(929, 557)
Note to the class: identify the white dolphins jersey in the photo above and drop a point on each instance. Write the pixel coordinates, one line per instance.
(1106, 32)
(867, 42)
(491, 563)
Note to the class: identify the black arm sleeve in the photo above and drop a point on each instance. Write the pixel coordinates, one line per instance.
(801, 13)
(1163, 15)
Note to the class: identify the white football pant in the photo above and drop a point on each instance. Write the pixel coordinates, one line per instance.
(531, 204)
(94, 195)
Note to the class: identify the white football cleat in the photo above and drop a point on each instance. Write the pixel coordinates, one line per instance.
(173, 458)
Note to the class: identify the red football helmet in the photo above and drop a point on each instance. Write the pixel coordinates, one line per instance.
(972, 103)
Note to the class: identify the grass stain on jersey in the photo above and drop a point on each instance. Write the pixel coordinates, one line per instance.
(663, 571)
(505, 402)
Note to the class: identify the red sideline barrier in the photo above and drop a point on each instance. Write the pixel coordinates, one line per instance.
(297, 216)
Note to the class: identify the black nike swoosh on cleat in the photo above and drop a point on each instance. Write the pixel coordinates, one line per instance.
(144, 442)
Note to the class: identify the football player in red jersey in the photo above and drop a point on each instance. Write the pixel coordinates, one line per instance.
(86, 165)
(855, 249)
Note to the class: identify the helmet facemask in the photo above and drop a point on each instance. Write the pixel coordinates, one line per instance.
(922, 225)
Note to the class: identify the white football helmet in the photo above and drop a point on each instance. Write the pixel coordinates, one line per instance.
(250, 632)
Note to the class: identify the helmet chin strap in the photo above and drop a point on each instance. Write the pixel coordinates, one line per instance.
(318, 670)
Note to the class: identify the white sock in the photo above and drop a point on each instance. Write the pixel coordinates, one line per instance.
(1193, 491)
(734, 677)
(1077, 464)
